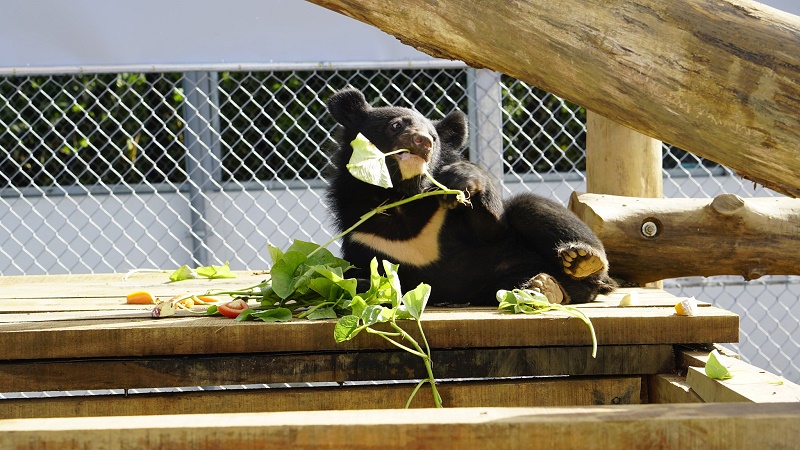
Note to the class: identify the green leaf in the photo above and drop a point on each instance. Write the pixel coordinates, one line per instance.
(531, 302)
(303, 247)
(416, 299)
(223, 271)
(322, 286)
(348, 284)
(272, 315)
(715, 369)
(346, 328)
(322, 313)
(394, 281)
(283, 273)
(368, 164)
(357, 306)
(213, 311)
(373, 314)
(275, 253)
(184, 273)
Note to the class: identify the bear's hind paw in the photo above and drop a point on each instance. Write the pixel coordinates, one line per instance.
(581, 260)
(549, 287)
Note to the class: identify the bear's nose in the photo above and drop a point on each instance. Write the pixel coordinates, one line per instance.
(422, 143)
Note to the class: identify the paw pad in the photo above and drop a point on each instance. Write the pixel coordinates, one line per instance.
(581, 260)
(549, 287)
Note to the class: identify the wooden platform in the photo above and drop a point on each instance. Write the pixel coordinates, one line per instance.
(68, 334)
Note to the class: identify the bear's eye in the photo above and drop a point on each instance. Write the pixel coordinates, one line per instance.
(396, 126)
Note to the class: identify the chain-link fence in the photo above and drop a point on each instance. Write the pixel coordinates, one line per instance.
(113, 172)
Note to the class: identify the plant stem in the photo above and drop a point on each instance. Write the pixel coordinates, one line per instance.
(382, 208)
(426, 358)
(399, 345)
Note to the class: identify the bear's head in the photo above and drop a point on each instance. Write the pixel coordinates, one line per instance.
(393, 128)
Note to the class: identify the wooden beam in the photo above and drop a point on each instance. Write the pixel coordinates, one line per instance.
(708, 426)
(133, 373)
(496, 393)
(651, 239)
(718, 78)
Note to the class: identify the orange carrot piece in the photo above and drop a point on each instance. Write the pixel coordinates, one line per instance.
(140, 298)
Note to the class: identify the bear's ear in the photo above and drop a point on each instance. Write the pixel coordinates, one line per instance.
(349, 107)
(452, 130)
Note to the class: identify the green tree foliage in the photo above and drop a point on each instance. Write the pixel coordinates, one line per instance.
(89, 129)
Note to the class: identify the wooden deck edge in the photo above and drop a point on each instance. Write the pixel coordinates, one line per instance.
(639, 426)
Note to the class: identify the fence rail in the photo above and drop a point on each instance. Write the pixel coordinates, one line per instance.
(108, 171)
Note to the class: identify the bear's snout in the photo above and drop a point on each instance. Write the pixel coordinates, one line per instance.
(421, 144)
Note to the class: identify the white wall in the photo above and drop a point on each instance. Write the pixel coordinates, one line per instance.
(86, 33)
(93, 34)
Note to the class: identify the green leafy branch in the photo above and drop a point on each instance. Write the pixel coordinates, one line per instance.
(525, 301)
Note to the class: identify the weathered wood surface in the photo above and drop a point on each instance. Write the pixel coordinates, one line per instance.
(621, 161)
(462, 394)
(668, 388)
(444, 329)
(250, 369)
(718, 78)
(726, 235)
(32, 332)
(748, 384)
(706, 426)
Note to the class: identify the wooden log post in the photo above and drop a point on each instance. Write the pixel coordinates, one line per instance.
(651, 239)
(621, 161)
(718, 78)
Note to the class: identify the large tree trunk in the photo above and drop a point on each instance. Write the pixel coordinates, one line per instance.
(719, 78)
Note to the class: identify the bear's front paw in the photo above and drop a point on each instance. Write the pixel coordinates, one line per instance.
(581, 260)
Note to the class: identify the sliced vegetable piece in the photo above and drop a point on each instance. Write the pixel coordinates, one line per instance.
(140, 298)
(232, 309)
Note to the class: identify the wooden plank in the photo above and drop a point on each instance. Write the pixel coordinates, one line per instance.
(116, 285)
(57, 309)
(100, 292)
(666, 388)
(444, 329)
(749, 384)
(512, 393)
(697, 355)
(707, 426)
(716, 78)
(92, 374)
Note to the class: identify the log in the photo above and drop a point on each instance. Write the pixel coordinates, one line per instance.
(650, 239)
(620, 161)
(719, 78)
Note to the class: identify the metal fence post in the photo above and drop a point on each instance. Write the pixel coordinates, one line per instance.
(486, 117)
(203, 155)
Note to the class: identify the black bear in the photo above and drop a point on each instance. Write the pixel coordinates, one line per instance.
(465, 252)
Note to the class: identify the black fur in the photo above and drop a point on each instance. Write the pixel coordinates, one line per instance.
(489, 246)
